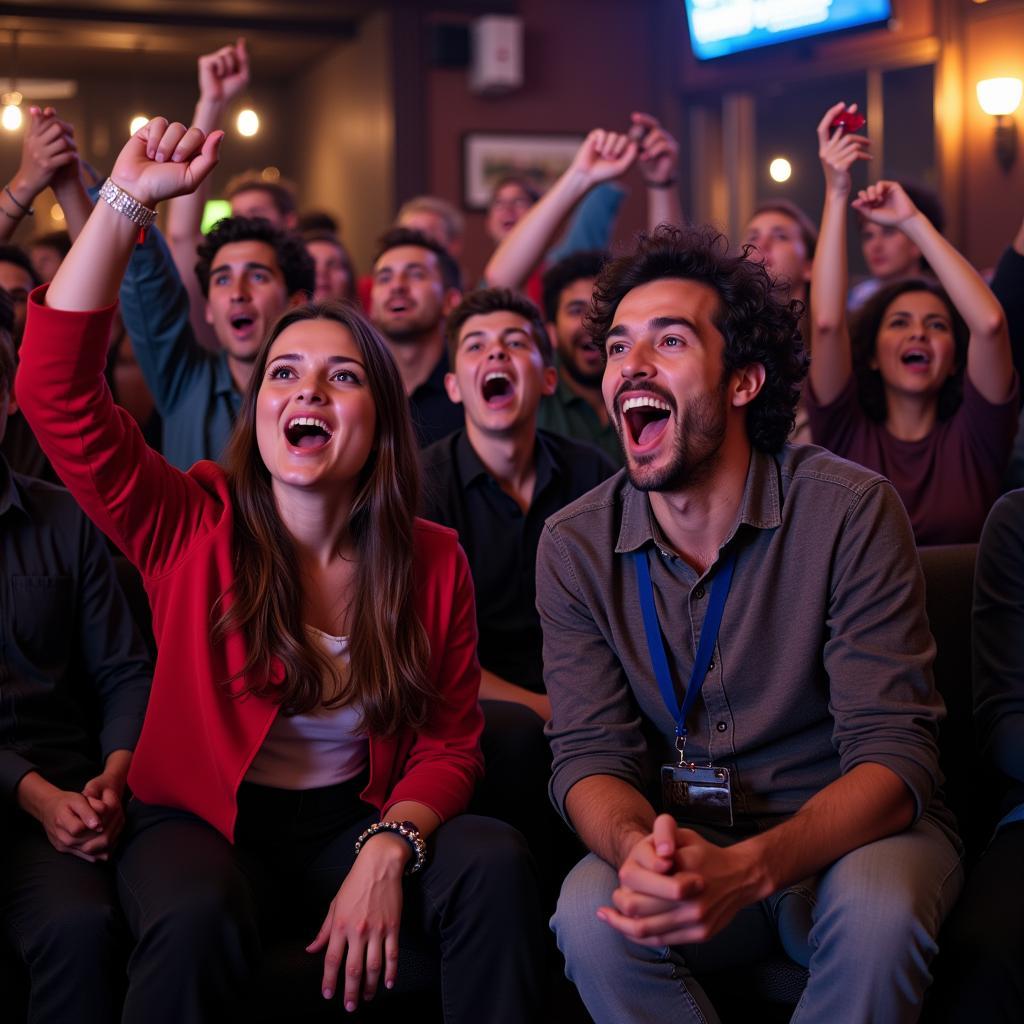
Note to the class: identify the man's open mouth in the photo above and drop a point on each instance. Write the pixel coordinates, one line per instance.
(645, 417)
(307, 432)
(242, 321)
(497, 386)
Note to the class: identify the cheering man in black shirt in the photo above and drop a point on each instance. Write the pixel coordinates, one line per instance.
(74, 680)
(496, 482)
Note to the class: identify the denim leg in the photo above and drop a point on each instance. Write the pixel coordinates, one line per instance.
(876, 914)
(624, 983)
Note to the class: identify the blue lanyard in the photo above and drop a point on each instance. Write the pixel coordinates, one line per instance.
(705, 647)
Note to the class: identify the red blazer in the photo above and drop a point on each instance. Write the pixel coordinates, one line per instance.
(198, 740)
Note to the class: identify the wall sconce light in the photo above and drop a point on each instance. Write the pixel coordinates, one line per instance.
(1001, 97)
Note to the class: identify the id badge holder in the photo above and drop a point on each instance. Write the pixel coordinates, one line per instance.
(698, 793)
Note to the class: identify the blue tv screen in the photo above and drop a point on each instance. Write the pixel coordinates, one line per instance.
(721, 27)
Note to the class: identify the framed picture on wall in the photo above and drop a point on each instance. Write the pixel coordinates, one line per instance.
(487, 157)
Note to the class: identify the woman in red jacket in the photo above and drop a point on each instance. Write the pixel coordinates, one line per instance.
(314, 714)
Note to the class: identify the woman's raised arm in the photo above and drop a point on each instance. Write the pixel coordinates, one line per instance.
(159, 161)
(989, 359)
(831, 361)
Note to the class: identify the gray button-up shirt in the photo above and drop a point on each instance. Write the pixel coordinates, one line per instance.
(823, 660)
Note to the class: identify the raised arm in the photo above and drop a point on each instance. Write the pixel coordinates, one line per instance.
(659, 165)
(158, 161)
(148, 508)
(602, 156)
(832, 363)
(223, 74)
(49, 157)
(989, 360)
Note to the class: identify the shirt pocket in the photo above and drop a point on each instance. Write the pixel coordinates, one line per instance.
(43, 618)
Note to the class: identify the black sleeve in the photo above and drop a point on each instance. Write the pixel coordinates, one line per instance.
(114, 657)
(998, 637)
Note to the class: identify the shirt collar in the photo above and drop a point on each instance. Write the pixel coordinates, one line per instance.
(760, 507)
(223, 382)
(470, 468)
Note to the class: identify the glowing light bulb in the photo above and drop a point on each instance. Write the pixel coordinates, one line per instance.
(248, 122)
(1000, 96)
(138, 121)
(56, 213)
(780, 169)
(12, 117)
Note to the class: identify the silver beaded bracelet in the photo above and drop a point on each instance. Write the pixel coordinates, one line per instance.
(127, 204)
(408, 831)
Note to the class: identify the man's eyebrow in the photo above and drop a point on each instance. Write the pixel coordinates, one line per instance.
(658, 323)
(504, 334)
(251, 265)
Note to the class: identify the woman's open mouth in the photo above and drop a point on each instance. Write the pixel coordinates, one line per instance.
(307, 432)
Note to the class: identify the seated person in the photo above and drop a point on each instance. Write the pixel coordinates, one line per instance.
(576, 407)
(796, 800)
(74, 680)
(416, 284)
(249, 274)
(335, 276)
(436, 218)
(785, 239)
(921, 387)
(307, 737)
(1008, 288)
(496, 482)
(890, 254)
(980, 975)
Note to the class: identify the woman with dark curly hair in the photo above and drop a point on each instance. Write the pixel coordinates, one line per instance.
(921, 388)
(312, 735)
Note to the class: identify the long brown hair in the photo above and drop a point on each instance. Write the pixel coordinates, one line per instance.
(387, 642)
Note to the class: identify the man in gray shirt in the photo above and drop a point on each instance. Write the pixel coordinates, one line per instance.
(804, 762)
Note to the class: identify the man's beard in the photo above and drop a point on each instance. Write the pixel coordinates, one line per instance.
(697, 442)
(408, 332)
(592, 381)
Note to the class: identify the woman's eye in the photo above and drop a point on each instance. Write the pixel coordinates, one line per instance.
(346, 377)
(279, 372)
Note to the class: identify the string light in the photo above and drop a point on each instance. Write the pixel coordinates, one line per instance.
(248, 122)
(780, 169)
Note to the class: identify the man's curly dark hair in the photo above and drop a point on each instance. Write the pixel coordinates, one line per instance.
(864, 341)
(290, 250)
(755, 316)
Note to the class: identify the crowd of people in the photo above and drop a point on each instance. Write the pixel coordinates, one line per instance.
(590, 593)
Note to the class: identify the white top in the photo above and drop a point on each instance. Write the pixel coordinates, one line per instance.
(321, 748)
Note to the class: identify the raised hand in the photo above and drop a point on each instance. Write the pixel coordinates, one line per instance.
(885, 202)
(47, 151)
(838, 151)
(604, 155)
(163, 160)
(659, 151)
(224, 73)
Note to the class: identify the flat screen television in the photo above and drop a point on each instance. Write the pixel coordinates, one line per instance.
(721, 27)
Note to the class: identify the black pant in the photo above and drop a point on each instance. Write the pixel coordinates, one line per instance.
(201, 909)
(60, 915)
(517, 759)
(979, 973)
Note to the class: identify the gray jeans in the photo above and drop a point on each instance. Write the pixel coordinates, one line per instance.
(866, 928)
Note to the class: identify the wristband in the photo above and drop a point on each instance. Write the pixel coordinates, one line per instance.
(127, 204)
(27, 210)
(407, 831)
(667, 183)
